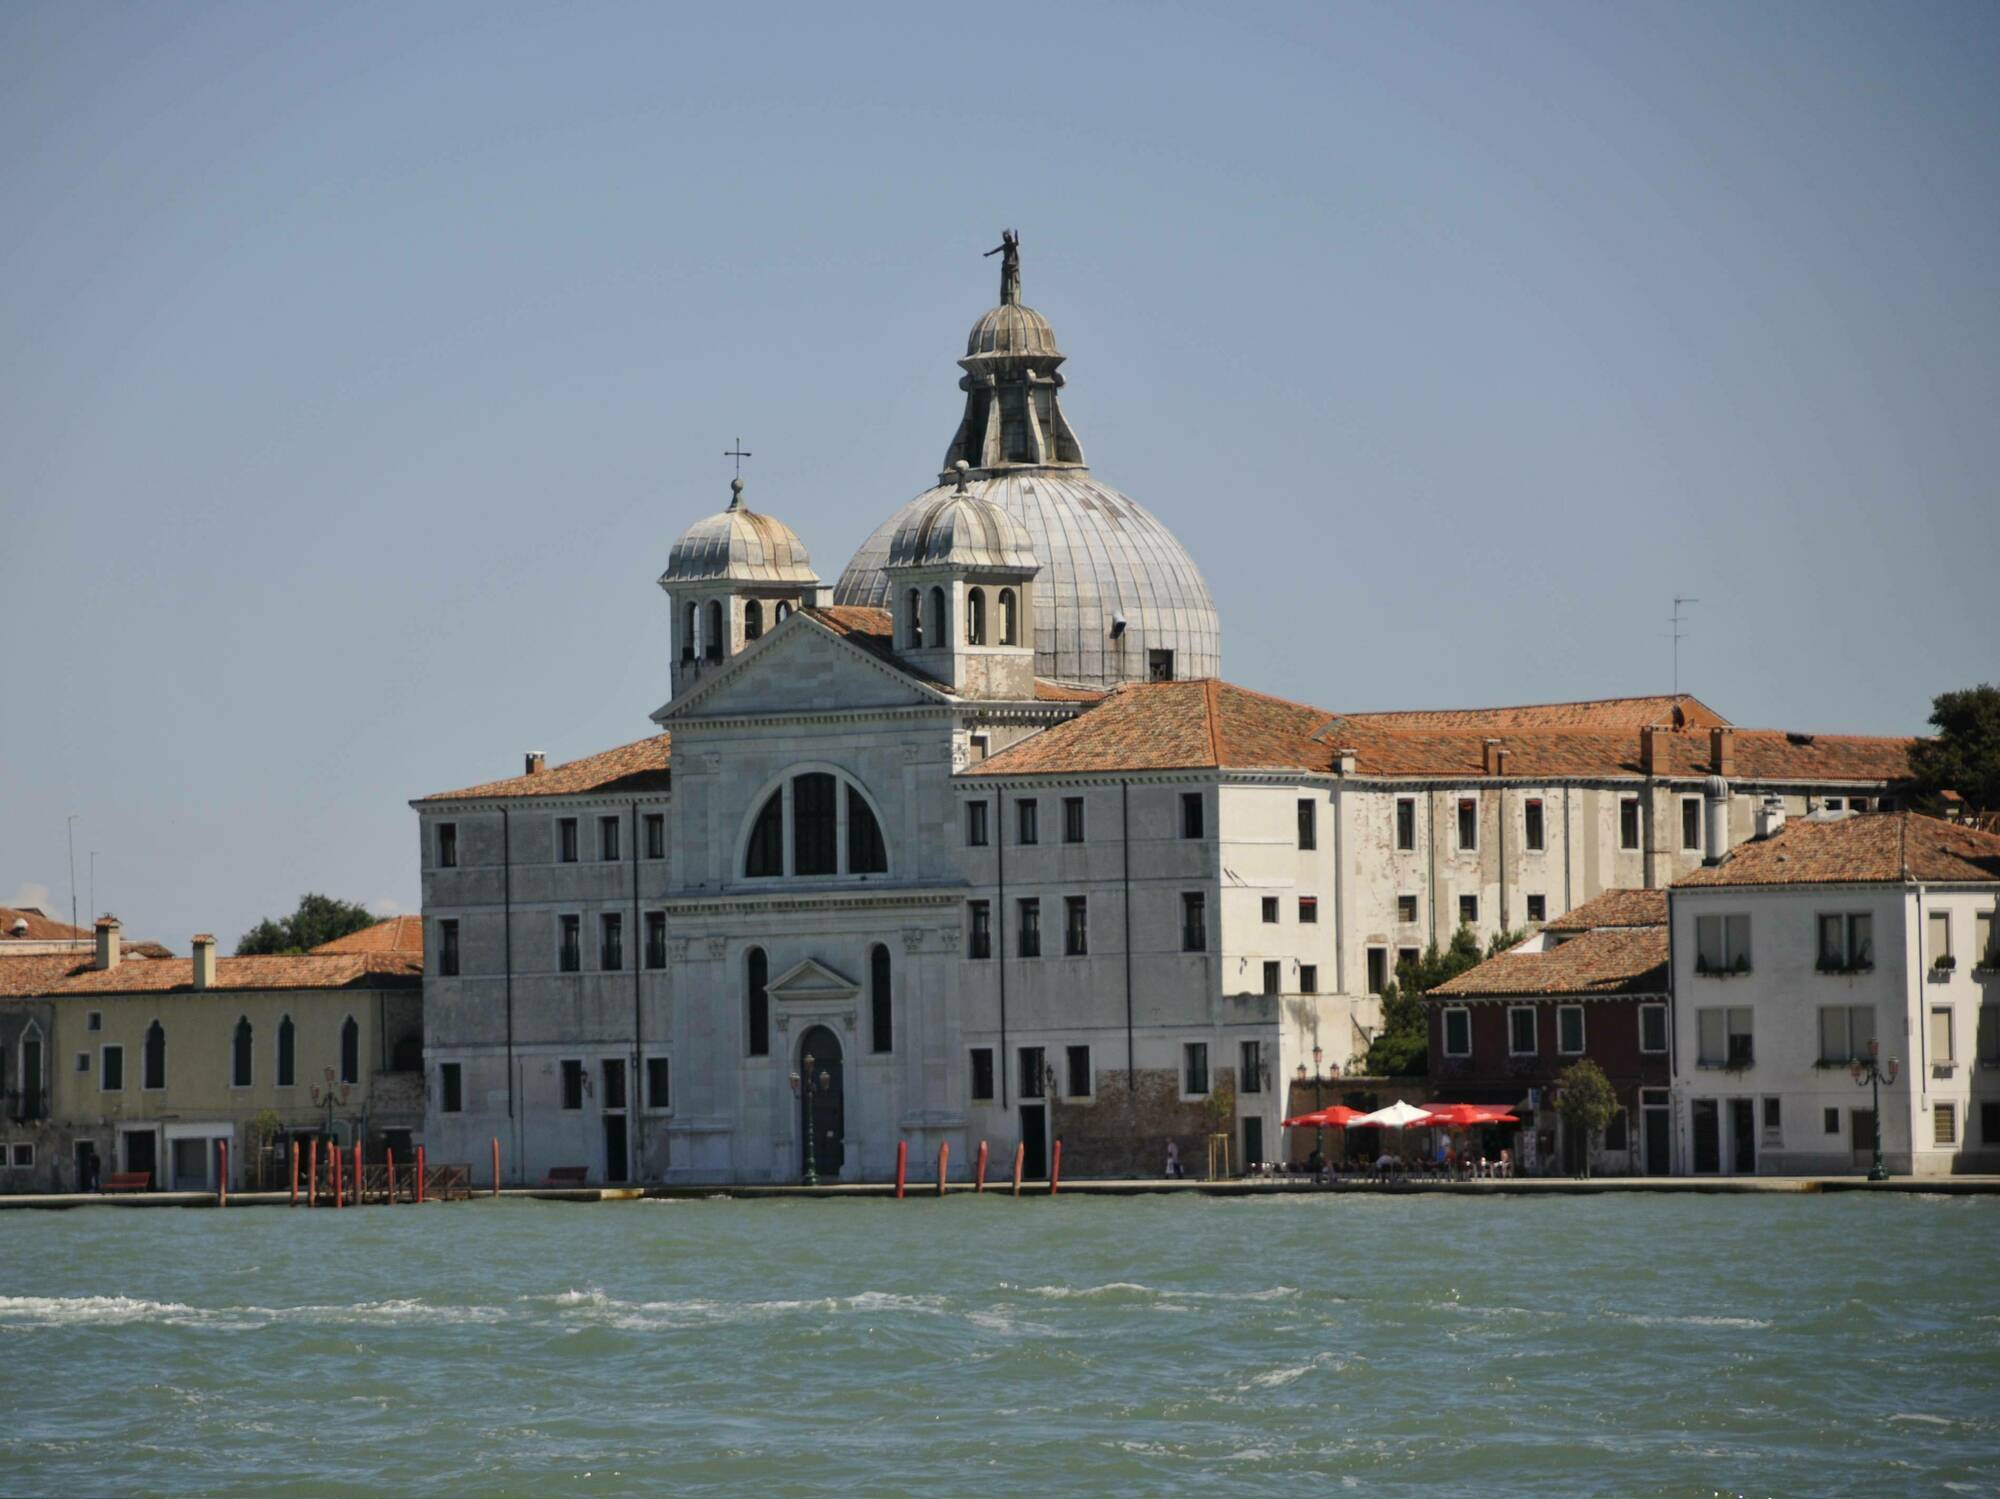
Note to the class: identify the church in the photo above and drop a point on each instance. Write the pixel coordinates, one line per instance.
(977, 845)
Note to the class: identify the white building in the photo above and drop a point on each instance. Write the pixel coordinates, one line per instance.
(1800, 948)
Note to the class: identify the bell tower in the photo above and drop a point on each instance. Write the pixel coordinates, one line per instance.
(961, 580)
(732, 577)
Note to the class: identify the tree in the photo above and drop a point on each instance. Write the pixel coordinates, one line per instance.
(1965, 755)
(1585, 1101)
(319, 918)
(1401, 1048)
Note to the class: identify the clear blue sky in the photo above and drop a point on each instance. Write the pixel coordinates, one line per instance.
(359, 365)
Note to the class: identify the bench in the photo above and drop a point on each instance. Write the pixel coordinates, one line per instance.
(128, 1181)
(567, 1176)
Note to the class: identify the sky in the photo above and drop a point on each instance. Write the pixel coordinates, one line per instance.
(360, 364)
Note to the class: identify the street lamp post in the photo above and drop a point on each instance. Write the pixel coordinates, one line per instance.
(1871, 1074)
(1319, 1102)
(803, 1089)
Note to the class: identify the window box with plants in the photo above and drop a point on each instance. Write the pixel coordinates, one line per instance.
(1710, 970)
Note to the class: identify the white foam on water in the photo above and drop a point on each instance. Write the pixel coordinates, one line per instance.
(1643, 1319)
(1132, 1290)
(1922, 1418)
(54, 1311)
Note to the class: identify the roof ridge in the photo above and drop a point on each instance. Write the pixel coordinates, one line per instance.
(1212, 702)
(1574, 702)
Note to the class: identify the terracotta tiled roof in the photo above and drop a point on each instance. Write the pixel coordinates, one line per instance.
(1884, 848)
(36, 973)
(399, 934)
(1608, 961)
(1614, 908)
(874, 630)
(293, 971)
(40, 928)
(638, 766)
(1598, 713)
(1173, 726)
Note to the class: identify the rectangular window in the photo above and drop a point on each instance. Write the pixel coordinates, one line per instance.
(1270, 910)
(1983, 951)
(1846, 943)
(982, 1072)
(1845, 1032)
(1722, 1037)
(1194, 922)
(1989, 1034)
(656, 835)
(1468, 824)
(83, 1061)
(1194, 1069)
(1308, 910)
(1722, 944)
(1989, 1123)
(1308, 823)
(1378, 969)
(1034, 1073)
(607, 838)
(982, 746)
(979, 929)
(1406, 909)
(1458, 1032)
(1628, 822)
(1468, 910)
(1521, 1038)
(1406, 957)
(572, 1084)
(1940, 939)
(1944, 1124)
(569, 953)
(1773, 1122)
(451, 1087)
(1942, 1054)
(1027, 821)
(1406, 823)
(1078, 1083)
(1652, 1028)
(1159, 666)
(566, 840)
(610, 942)
(448, 948)
(1830, 1120)
(24, 1156)
(1191, 818)
(447, 845)
(1072, 819)
(94, 1021)
(1569, 1030)
(1250, 1069)
(1076, 926)
(1533, 836)
(1691, 824)
(1308, 978)
(1274, 977)
(659, 1083)
(1028, 916)
(656, 939)
(111, 1070)
(1538, 908)
(975, 824)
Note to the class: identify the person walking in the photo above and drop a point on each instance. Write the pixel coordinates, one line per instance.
(1174, 1168)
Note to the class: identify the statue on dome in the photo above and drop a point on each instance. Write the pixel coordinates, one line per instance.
(1009, 251)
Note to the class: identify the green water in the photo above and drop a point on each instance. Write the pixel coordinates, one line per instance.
(1613, 1345)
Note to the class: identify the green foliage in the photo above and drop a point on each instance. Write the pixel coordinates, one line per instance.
(1965, 755)
(319, 918)
(263, 1127)
(1585, 1099)
(1402, 1046)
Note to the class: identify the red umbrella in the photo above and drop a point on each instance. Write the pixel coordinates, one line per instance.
(1464, 1115)
(1335, 1116)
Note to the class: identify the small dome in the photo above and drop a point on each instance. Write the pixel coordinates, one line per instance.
(960, 529)
(1013, 329)
(739, 545)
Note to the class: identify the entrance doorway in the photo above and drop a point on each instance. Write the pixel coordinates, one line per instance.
(191, 1164)
(142, 1154)
(89, 1171)
(1253, 1142)
(1034, 1141)
(617, 1148)
(1706, 1118)
(1861, 1132)
(823, 1099)
(1656, 1125)
(1743, 1136)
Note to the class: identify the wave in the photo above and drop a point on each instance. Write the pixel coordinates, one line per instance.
(69, 1311)
(1132, 1291)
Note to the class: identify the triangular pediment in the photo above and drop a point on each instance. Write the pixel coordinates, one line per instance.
(811, 980)
(801, 667)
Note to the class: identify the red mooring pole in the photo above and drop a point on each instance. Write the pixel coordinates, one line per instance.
(420, 1173)
(496, 1149)
(944, 1156)
(355, 1200)
(312, 1174)
(339, 1186)
(902, 1165)
(295, 1173)
(1020, 1160)
(390, 1157)
(979, 1171)
(1055, 1169)
(222, 1173)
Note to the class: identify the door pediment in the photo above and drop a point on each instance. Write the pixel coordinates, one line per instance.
(811, 981)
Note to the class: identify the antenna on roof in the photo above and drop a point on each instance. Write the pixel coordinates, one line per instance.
(1677, 621)
(72, 871)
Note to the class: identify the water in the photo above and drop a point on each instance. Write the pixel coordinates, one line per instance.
(1630, 1345)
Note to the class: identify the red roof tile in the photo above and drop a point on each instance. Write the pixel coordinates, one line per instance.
(638, 766)
(1884, 848)
(399, 934)
(1173, 726)
(1613, 908)
(376, 970)
(1597, 713)
(1607, 961)
(40, 928)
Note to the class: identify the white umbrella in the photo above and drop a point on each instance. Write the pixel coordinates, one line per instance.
(1398, 1115)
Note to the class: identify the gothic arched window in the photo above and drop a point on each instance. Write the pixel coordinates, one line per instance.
(757, 996)
(937, 618)
(713, 643)
(815, 823)
(241, 1052)
(154, 1073)
(1010, 624)
(881, 1012)
(287, 1053)
(753, 620)
(350, 1051)
(975, 616)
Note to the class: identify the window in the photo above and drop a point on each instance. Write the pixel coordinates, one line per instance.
(1722, 1037)
(1845, 1032)
(1159, 666)
(572, 1084)
(656, 939)
(1077, 1080)
(607, 839)
(1940, 939)
(1194, 1069)
(1072, 819)
(1721, 944)
(1628, 822)
(1194, 922)
(1569, 1030)
(94, 1021)
(153, 1064)
(1191, 818)
(712, 642)
(753, 620)
(1308, 910)
(978, 746)
(881, 1008)
(451, 1087)
(1378, 969)
(1989, 1034)
(1027, 821)
(1614, 1130)
(448, 948)
(1270, 910)
(938, 618)
(1521, 1038)
(1942, 1054)
(815, 824)
(1538, 908)
(1034, 1073)
(1468, 910)
(866, 852)
(569, 944)
(242, 1054)
(1468, 823)
(111, 1070)
(757, 1001)
(1028, 937)
(1406, 957)
(1010, 617)
(1944, 1124)
(1406, 909)
(982, 1072)
(1250, 1069)
(1652, 1028)
(975, 823)
(1274, 976)
(693, 613)
(1989, 1123)
(287, 1053)
(1308, 823)
(1076, 926)
(1533, 837)
(1984, 953)
(24, 1155)
(350, 1051)
(1691, 824)
(765, 858)
(820, 841)
(1458, 1032)
(1406, 823)
(447, 845)
(656, 835)
(566, 840)
(1773, 1122)
(659, 1083)
(975, 616)
(1846, 943)
(1831, 1121)
(83, 1061)
(913, 612)
(1308, 978)
(610, 942)
(979, 929)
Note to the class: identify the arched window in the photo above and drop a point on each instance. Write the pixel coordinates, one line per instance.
(815, 823)
(287, 1053)
(914, 618)
(691, 615)
(240, 1054)
(866, 853)
(154, 1074)
(1010, 624)
(784, 612)
(937, 618)
(756, 981)
(975, 616)
(881, 1013)
(766, 858)
(753, 620)
(713, 643)
(350, 1051)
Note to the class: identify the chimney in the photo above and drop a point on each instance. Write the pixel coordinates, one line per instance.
(107, 942)
(1649, 749)
(1493, 754)
(1722, 752)
(1770, 816)
(204, 961)
(1716, 791)
(537, 762)
(1344, 759)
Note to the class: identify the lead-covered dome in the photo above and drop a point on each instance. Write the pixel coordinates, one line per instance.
(738, 545)
(1011, 329)
(960, 529)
